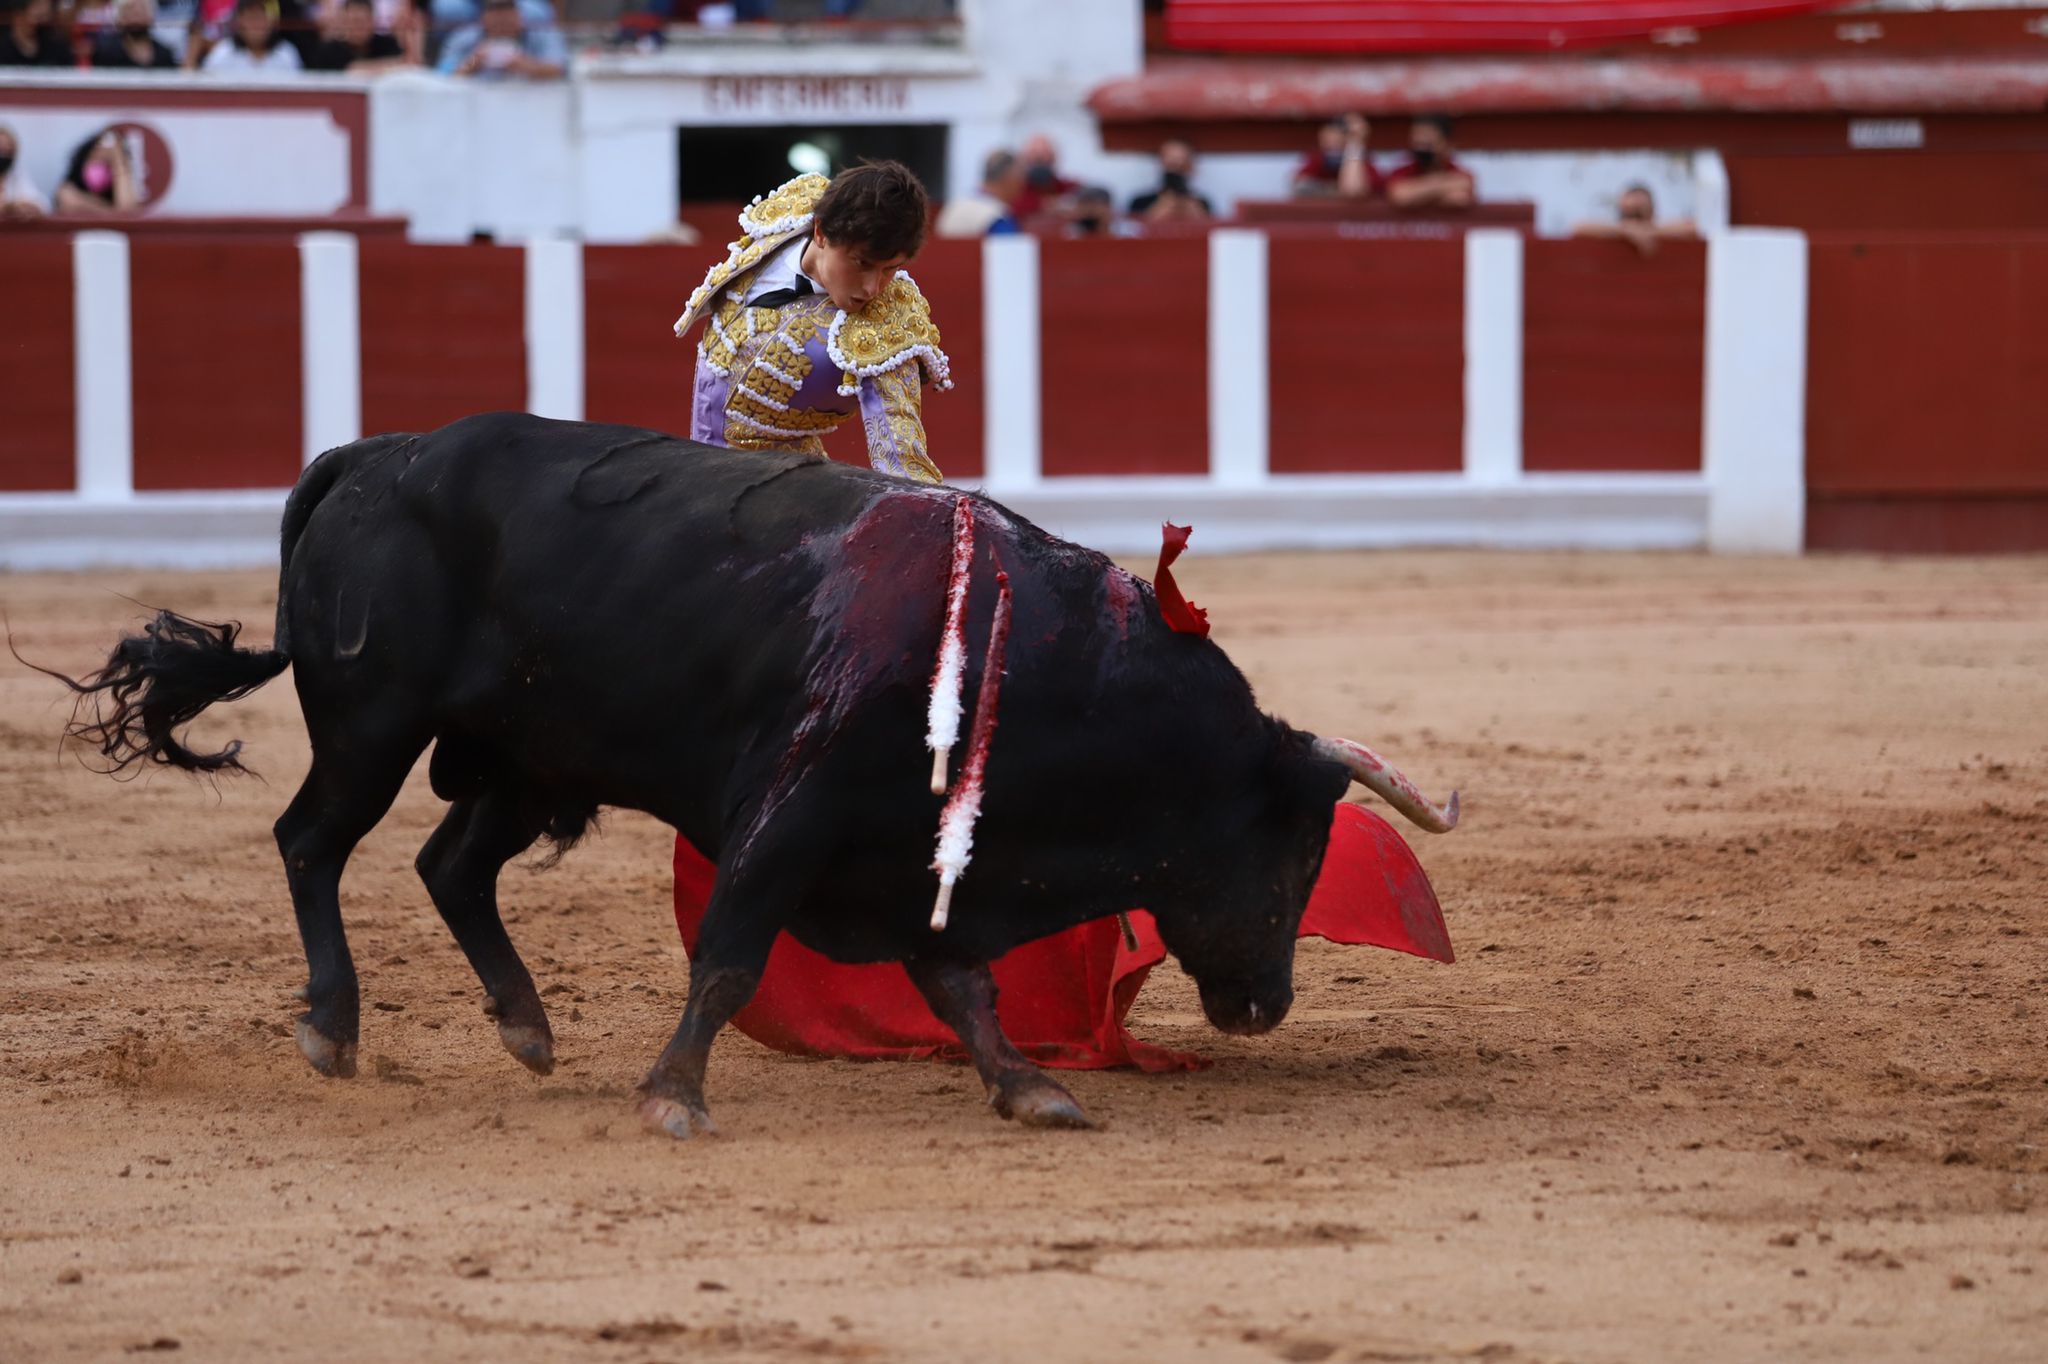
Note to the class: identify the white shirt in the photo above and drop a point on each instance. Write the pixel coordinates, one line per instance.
(17, 188)
(232, 57)
(780, 270)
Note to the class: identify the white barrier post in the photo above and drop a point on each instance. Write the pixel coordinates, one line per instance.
(330, 342)
(102, 367)
(1754, 428)
(1493, 356)
(1238, 394)
(1010, 417)
(554, 328)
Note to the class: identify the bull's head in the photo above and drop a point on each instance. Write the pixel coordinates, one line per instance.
(1236, 935)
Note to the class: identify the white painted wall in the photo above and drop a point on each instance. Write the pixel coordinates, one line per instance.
(461, 157)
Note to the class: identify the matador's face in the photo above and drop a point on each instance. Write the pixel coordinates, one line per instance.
(849, 272)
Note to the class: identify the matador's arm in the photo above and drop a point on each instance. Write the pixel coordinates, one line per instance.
(891, 408)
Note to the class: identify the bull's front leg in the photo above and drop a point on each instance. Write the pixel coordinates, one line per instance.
(963, 995)
(740, 925)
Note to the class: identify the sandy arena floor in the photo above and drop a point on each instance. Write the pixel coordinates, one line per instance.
(1743, 1058)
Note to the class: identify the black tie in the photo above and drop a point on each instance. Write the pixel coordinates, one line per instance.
(775, 298)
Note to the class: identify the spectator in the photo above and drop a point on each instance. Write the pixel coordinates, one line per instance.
(100, 178)
(358, 46)
(1175, 199)
(253, 46)
(451, 15)
(500, 45)
(1044, 187)
(1430, 178)
(213, 23)
(990, 210)
(131, 42)
(1339, 165)
(28, 38)
(1094, 215)
(19, 197)
(1636, 223)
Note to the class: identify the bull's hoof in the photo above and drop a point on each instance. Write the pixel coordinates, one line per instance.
(532, 1047)
(329, 1057)
(1036, 1101)
(675, 1118)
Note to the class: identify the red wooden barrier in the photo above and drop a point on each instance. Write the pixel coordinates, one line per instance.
(215, 334)
(1367, 356)
(635, 371)
(38, 429)
(443, 333)
(1613, 356)
(1123, 368)
(1927, 395)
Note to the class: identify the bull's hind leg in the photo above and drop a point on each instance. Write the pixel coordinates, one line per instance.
(963, 995)
(347, 791)
(460, 864)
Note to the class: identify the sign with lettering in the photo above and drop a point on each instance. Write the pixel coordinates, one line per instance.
(804, 97)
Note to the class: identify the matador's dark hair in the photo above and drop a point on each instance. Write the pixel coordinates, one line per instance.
(879, 205)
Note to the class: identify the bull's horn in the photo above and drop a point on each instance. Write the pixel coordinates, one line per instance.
(1381, 777)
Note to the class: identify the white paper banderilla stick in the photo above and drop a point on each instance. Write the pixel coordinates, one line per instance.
(956, 821)
(942, 729)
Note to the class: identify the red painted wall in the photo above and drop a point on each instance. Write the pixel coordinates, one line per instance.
(1613, 356)
(635, 370)
(38, 421)
(1366, 355)
(443, 333)
(1927, 394)
(1904, 191)
(215, 334)
(1123, 338)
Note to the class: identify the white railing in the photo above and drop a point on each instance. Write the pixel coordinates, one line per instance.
(1749, 496)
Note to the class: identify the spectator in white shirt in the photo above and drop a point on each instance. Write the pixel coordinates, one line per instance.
(253, 47)
(18, 195)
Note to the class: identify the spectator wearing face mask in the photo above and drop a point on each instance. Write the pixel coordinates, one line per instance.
(357, 45)
(1094, 215)
(19, 198)
(253, 46)
(500, 46)
(1175, 199)
(1431, 177)
(28, 38)
(131, 43)
(1636, 223)
(100, 179)
(1339, 166)
(1044, 187)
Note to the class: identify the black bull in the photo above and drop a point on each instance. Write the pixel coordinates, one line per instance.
(741, 645)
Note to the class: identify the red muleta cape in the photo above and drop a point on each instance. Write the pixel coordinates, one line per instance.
(1063, 998)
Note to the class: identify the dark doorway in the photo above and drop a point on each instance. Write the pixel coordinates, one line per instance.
(721, 165)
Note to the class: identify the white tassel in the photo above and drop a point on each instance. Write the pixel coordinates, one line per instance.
(956, 821)
(942, 727)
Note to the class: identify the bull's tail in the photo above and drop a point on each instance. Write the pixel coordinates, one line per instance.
(159, 680)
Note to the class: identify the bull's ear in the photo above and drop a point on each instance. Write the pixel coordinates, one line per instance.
(1308, 779)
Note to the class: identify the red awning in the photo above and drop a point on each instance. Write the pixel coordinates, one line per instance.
(1315, 26)
(1196, 88)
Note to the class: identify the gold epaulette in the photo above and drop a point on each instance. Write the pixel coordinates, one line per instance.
(767, 224)
(895, 328)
